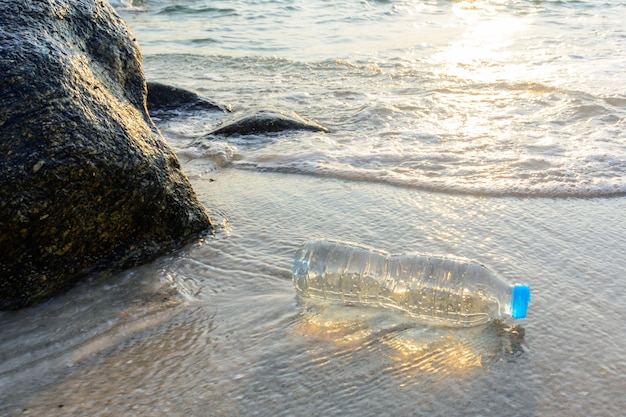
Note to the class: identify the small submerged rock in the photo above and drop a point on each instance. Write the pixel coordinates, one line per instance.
(267, 121)
(164, 98)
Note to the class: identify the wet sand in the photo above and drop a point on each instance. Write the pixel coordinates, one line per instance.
(215, 329)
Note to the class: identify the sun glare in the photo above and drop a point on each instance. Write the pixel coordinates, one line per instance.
(485, 50)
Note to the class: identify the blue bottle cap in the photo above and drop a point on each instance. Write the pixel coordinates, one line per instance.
(520, 297)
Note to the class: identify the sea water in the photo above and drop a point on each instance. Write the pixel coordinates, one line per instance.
(480, 97)
(492, 130)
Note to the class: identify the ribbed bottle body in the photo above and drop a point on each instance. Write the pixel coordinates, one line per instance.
(454, 292)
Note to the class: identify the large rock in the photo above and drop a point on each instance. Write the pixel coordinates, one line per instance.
(86, 180)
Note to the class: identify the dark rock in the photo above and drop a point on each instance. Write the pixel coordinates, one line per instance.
(86, 180)
(167, 98)
(267, 121)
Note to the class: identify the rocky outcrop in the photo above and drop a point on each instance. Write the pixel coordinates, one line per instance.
(167, 99)
(86, 180)
(267, 121)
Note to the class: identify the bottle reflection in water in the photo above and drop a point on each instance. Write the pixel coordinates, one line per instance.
(454, 292)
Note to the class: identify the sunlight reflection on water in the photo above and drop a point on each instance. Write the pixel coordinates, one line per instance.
(410, 344)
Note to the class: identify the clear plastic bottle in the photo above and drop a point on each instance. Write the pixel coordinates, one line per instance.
(454, 292)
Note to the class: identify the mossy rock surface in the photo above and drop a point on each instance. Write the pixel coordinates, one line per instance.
(86, 179)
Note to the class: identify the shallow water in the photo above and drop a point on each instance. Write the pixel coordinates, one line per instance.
(216, 329)
(431, 150)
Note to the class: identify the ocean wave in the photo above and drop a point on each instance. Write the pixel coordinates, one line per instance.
(133, 5)
(455, 110)
(553, 184)
(182, 9)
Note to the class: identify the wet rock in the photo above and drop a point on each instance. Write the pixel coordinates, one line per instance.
(267, 121)
(86, 180)
(164, 98)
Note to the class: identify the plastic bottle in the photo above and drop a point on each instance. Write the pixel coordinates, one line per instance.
(454, 292)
